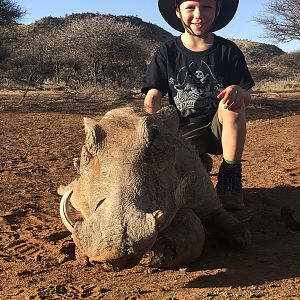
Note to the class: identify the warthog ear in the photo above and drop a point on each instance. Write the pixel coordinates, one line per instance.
(94, 134)
(168, 116)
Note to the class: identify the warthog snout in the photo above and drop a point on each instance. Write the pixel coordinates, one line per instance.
(113, 260)
(100, 244)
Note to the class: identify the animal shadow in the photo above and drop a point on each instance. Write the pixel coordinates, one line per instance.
(272, 255)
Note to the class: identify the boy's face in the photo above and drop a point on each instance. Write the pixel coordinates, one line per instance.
(198, 15)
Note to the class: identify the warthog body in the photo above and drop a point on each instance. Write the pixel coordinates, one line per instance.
(142, 192)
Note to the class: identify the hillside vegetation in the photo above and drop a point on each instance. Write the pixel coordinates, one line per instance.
(258, 53)
(88, 49)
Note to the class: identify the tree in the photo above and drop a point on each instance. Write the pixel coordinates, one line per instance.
(109, 51)
(281, 20)
(10, 12)
(29, 64)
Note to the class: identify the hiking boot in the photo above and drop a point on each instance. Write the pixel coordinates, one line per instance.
(207, 162)
(227, 229)
(229, 186)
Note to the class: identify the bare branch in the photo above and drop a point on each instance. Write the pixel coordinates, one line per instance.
(10, 12)
(281, 21)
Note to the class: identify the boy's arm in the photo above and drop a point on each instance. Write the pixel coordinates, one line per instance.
(152, 102)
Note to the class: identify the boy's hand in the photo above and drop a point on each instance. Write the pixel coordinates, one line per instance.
(152, 102)
(232, 97)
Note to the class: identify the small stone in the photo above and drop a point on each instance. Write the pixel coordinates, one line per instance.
(152, 270)
(182, 270)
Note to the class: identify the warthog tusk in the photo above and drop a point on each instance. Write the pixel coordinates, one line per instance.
(65, 211)
(159, 217)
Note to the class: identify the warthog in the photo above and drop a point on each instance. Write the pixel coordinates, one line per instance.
(143, 193)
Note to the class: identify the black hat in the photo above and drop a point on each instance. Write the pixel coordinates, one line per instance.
(167, 9)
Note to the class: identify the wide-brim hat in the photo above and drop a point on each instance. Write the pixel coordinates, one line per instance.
(228, 9)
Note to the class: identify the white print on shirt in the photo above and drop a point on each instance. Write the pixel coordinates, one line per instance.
(200, 75)
(195, 88)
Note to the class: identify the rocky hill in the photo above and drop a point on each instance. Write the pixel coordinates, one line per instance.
(148, 31)
(258, 53)
(265, 61)
(255, 52)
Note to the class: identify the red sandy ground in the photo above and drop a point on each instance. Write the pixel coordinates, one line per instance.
(38, 143)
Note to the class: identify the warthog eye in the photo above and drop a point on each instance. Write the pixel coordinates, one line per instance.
(85, 156)
(148, 130)
(99, 203)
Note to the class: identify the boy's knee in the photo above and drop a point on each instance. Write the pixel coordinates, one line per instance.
(234, 109)
(234, 114)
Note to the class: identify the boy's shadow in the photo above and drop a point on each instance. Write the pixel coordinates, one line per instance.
(273, 255)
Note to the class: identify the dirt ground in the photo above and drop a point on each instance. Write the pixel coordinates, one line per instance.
(38, 143)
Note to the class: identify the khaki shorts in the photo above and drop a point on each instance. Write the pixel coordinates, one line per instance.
(206, 138)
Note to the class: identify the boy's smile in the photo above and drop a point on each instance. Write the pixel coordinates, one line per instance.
(198, 16)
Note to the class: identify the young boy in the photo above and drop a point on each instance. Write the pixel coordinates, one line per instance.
(207, 79)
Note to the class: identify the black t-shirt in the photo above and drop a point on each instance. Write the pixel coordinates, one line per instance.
(193, 80)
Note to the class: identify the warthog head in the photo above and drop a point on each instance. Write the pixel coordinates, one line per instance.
(127, 173)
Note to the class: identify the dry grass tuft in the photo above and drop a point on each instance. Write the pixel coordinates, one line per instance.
(276, 85)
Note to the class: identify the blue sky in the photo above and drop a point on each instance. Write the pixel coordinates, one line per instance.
(241, 27)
